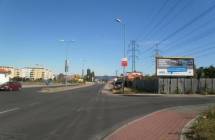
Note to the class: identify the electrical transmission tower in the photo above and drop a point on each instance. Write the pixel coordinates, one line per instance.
(133, 50)
(157, 51)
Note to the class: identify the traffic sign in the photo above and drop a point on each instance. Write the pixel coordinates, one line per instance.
(124, 62)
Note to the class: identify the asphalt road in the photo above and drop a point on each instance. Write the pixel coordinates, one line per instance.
(80, 114)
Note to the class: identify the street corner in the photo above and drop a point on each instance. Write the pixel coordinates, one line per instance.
(107, 89)
(163, 124)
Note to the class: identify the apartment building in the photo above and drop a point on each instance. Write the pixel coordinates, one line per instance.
(41, 73)
(33, 73)
(14, 72)
(26, 73)
(48, 74)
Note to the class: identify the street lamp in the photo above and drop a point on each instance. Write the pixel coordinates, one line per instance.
(124, 32)
(66, 43)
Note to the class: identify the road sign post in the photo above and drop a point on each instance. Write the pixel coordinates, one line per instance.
(124, 64)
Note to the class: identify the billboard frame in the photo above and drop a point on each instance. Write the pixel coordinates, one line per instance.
(172, 57)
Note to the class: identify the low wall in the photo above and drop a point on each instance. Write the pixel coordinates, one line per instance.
(145, 85)
(186, 85)
(175, 85)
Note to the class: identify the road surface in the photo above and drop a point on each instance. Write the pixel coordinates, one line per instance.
(80, 114)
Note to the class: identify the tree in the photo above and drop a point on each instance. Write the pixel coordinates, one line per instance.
(61, 77)
(205, 72)
(88, 77)
(200, 72)
(92, 76)
(209, 72)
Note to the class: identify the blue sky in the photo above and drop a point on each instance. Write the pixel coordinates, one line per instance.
(30, 31)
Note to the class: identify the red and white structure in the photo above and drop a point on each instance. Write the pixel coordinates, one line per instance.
(124, 62)
(4, 76)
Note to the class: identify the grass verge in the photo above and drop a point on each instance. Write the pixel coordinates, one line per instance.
(60, 89)
(204, 127)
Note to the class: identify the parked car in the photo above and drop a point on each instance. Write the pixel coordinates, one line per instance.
(11, 86)
(117, 84)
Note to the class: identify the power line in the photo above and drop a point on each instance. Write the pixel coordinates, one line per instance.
(201, 50)
(167, 47)
(157, 51)
(206, 54)
(198, 37)
(187, 24)
(193, 49)
(166, 15)
(156, 26)
(154, 17)
(186, 5)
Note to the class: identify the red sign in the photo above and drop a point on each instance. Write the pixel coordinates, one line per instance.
(124, 62)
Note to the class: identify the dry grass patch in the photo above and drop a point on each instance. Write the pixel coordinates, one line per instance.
(204, 127)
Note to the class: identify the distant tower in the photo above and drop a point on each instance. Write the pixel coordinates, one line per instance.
(157, 51)
(133, 55)
(116, 73)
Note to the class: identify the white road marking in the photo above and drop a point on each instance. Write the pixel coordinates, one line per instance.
(35, 103)
(9, 110)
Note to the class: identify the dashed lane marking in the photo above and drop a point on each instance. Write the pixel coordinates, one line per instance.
(9, 110)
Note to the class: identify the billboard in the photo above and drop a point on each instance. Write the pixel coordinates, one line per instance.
(174, 66)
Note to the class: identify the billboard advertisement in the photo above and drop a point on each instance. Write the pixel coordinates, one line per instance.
(174, 66)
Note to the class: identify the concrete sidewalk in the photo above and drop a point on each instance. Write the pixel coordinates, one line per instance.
(107, 89)
(161, 125)
(168, 95)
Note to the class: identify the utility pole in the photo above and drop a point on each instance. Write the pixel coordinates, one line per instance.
(66, 43)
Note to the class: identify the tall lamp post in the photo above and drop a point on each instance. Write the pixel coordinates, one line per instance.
(124, 55)
(66, 43)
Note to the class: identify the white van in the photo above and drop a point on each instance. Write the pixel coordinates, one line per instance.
(4, 77)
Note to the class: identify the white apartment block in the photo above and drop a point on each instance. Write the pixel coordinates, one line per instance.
(33, 73)
(26, 73)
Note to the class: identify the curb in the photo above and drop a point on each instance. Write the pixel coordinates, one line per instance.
(39, 86)
(71, 88)
(106, 90)
(138, 118)
(135, 119)
(187, 127)
(170, 95)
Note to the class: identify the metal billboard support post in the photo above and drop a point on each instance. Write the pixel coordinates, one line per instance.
(123, 85)
(124, 64)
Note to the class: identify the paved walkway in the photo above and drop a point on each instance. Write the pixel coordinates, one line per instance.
(161, 125)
